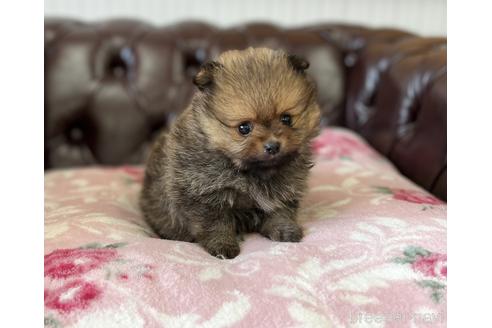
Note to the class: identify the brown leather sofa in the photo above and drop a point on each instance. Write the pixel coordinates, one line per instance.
(110, 86)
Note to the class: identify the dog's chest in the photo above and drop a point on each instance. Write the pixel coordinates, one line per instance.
(264, 198)
(243, 201)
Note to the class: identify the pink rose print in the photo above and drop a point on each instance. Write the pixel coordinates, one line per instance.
(433, 265)
(75, 295)
(433, 268)
(411, 196)
(414, 196)
(66, 263)
(330, 145)
(136, 173)
(123, 276)
(66, 288)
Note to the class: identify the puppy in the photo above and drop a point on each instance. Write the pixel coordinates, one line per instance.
(237, 159)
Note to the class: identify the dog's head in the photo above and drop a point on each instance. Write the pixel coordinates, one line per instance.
(257, 106)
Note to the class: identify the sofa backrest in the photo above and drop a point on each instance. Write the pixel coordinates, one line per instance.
(111, 86)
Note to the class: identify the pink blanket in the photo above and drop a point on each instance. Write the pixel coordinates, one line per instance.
(373, 255)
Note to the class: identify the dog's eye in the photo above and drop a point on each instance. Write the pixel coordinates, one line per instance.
(286, 119)
(245, 128)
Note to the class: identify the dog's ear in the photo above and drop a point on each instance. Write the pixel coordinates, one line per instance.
(298, 63)
(204, 79)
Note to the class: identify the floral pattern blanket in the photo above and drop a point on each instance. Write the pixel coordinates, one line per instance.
(373, 255)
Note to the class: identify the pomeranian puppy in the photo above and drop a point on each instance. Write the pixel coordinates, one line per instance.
(237, 159)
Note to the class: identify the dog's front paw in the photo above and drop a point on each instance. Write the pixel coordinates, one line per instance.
(223, 249)
(284, 231)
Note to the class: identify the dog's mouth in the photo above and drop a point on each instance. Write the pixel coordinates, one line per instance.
(268, 163)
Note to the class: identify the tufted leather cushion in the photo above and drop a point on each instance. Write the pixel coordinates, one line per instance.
(396, 99)
(110, 86)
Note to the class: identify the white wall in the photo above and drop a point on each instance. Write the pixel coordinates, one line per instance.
(426, 17)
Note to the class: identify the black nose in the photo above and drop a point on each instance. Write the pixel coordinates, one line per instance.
(272, 147)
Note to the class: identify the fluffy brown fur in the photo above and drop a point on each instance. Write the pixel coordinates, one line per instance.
(206, 182)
